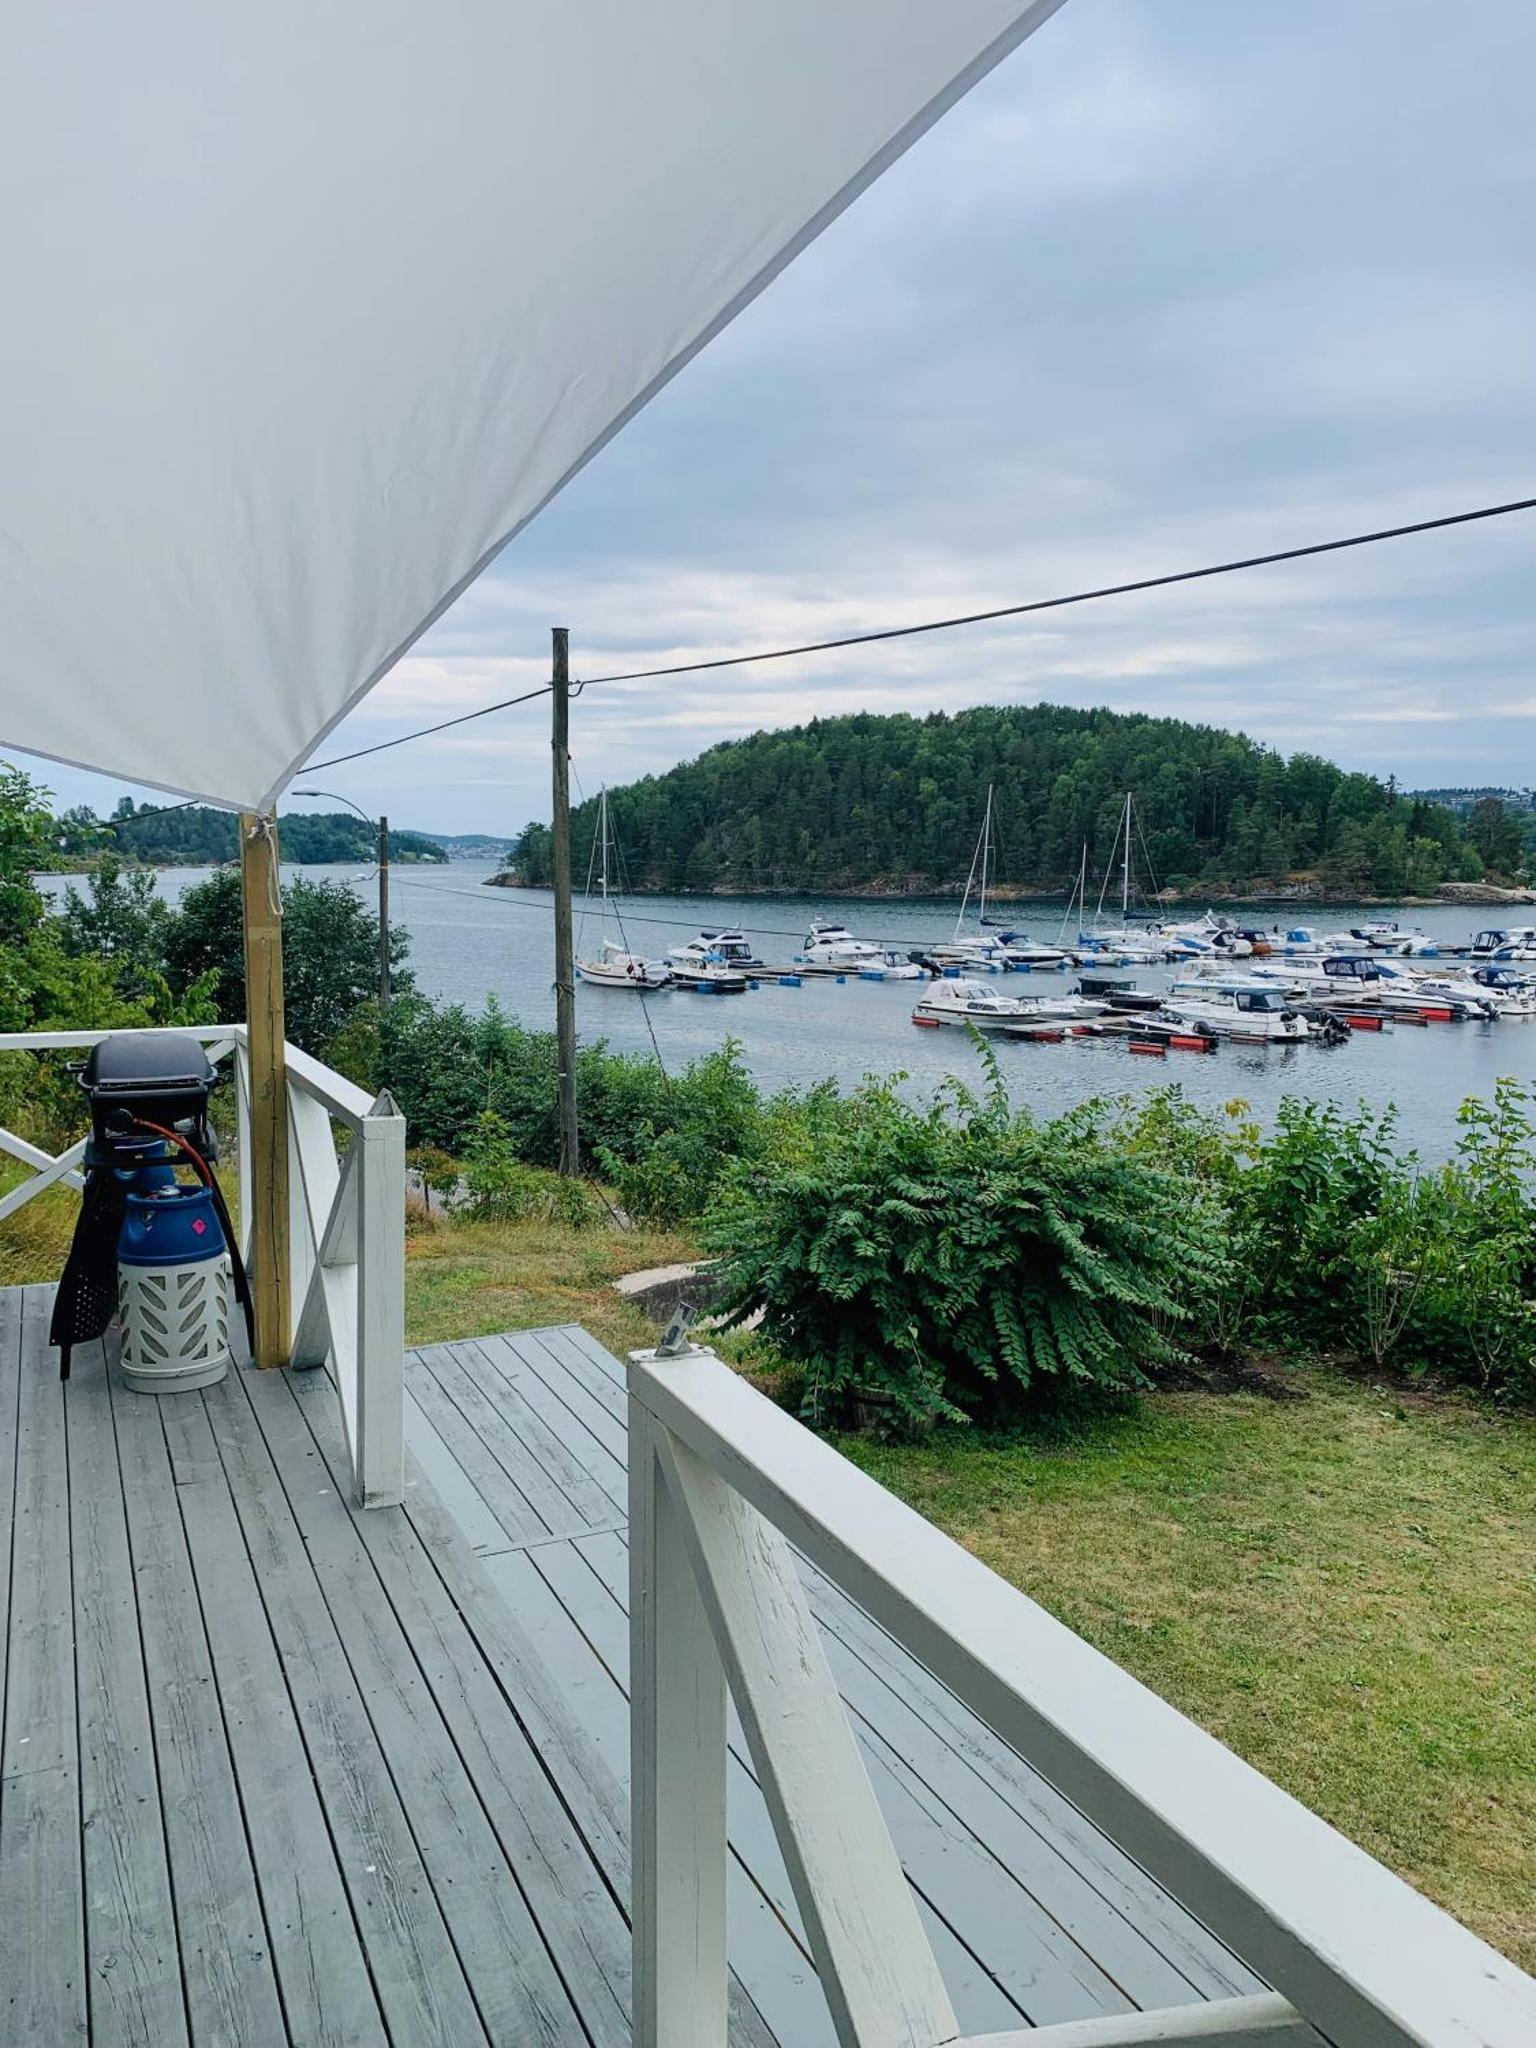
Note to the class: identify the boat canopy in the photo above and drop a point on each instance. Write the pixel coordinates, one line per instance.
(312, 308)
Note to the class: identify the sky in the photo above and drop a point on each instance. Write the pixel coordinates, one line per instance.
(1182, 280)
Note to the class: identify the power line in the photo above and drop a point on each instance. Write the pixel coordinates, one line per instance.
(426, 731)
(1046, 604)
(944, 625)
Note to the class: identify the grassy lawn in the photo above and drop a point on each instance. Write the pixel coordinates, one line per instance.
(1343, 1588)
(471, 1279)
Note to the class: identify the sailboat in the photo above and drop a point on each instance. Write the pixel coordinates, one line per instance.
(991, 949)
(613, 965)
(1122, 944)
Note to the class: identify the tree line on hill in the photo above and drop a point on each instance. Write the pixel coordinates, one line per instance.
(197, 835)
(895, 802)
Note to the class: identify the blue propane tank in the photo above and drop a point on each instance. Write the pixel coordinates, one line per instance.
(173, 1284)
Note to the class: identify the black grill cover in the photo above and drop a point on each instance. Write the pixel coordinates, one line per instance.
(160, 1076)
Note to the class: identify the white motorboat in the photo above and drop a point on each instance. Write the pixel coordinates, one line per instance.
(1021, 953)
(732, 946)
(972, 1002)
(1392, 986)
(1120, 946)
(833, 949)
(1236, 1009)
(893, 966)
(1500, 942)
(967, 1002)
(1385, 935)
(1513, 992)
(699, 965)
(1201, 937)
(611, 964)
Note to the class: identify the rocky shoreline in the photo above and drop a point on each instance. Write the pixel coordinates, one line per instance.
(1302, 895)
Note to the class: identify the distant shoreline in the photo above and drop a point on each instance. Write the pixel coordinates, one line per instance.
(1299, 897)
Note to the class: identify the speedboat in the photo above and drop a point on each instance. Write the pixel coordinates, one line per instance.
(1385, 935)
(892, 966)
(1499, 942)
(1391, 985)
(616, 967)
(1121, 947)
(731, 945)
(1236, 1010)
(967, 1002)
(833, 949)
(1202, 936)
(1020, 951)
(1513, 992)
(970, 1002)
(699, 966)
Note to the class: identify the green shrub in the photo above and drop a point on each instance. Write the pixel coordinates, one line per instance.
(963, 1260)
(503, 1189)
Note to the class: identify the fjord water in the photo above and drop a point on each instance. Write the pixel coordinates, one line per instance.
(470, 942)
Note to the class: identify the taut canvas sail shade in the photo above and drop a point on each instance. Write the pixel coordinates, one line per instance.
(309, 307)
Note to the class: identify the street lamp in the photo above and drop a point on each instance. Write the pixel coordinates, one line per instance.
(382, 828)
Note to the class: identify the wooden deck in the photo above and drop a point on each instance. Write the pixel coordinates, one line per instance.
(278, 1771)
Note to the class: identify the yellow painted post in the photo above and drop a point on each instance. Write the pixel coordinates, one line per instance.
(271, 1290)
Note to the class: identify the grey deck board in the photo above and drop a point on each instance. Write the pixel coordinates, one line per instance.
(515, 1986)
(577, 1914)
(226, 1952)
(327, 1995)
(136, 1993)
(386, 1866)
(42, 1906)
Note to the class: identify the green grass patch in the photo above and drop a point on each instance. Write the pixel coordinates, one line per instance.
(1340, 1588)
(472, 1279)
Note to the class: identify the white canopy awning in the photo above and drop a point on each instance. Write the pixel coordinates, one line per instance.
(309, 308)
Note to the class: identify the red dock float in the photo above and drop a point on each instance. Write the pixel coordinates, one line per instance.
(1151, 1045)
(1184, 1041)
(1436, 1015)
(1364, 1023)
(928, 1023)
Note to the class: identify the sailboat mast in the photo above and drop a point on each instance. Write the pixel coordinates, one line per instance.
(1125, 868)
(602, 827)
(986, 850)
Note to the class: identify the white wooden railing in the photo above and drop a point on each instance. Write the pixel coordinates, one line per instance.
(722, 1484)
(346, 1235)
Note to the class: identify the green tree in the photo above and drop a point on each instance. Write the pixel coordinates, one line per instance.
(123, 920)
(1495, 832)
(330, 953)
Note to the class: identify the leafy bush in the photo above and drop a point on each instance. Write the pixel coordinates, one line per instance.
(503, 1189)
(963, 1260)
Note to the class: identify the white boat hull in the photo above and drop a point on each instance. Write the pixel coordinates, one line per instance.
(643, 981)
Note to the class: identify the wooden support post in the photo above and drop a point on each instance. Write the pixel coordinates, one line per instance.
(384, 913)
(267, 1180)
(560, 860)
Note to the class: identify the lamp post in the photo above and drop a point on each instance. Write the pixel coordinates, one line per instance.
(381, 826)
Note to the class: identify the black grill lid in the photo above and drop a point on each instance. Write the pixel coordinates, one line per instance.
(147, 1063)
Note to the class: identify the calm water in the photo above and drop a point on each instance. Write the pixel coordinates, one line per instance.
(469, 942)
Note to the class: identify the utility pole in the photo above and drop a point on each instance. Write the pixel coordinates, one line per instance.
(383, 913)
(267, 1226)
(560, 860)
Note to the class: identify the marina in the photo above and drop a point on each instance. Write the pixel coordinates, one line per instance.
(471, 943)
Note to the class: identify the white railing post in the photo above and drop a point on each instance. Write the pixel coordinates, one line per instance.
(379, 1448)
(677, 1772)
